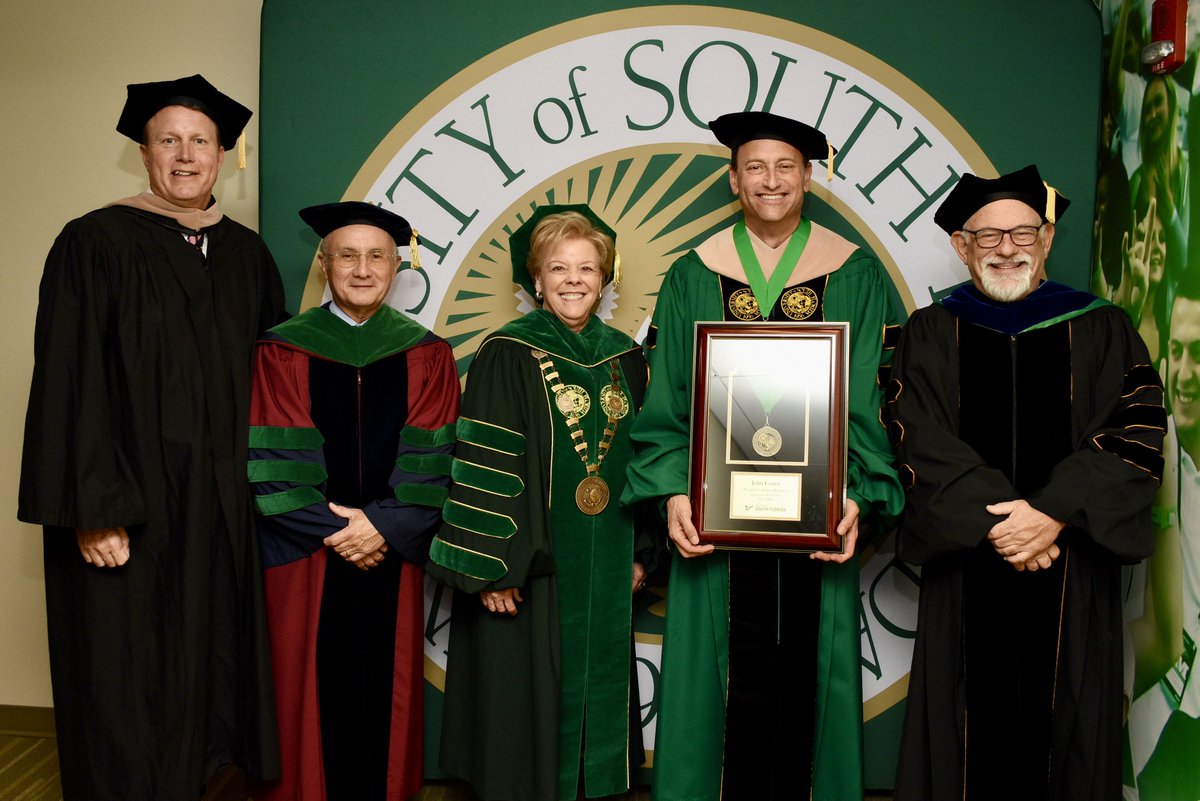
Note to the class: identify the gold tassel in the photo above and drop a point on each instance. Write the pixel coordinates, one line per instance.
(829, 174)
(241, 149)
(1051, 200)
(617, 268)
(413, 252)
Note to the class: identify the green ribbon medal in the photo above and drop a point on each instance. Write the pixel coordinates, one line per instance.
(767, 292)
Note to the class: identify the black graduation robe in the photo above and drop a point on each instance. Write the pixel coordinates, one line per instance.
(1016, 684)
(362, 416)
(137, 418)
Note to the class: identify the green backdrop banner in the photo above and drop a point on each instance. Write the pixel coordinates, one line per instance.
(463, 117)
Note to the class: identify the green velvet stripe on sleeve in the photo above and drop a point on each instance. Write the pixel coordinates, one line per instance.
(424, 438)
(477, 476)
(478, 521)
(467, 562)
(492, 437)
(431, 464)
(260, 470)
(278, 503)
(422, 494)
(285, 438)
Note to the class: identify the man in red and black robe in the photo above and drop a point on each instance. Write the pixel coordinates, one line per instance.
(1029, 425)
(351, 435)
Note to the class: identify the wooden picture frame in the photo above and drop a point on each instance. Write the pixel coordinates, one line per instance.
(768, 435)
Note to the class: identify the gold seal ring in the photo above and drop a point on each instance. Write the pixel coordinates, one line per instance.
(573, 401)
(799, 303)
(743, 305)
(614, 402)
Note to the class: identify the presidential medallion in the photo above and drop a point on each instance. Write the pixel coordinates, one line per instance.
(591, 496)
(799, 303)
(767, 441)
(573, 401)
(614, 402)
(743, 305)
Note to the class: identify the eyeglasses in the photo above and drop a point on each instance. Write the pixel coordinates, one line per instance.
(1022, 235)
(352, 258)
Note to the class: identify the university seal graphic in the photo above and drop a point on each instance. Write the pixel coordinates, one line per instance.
(611, 110)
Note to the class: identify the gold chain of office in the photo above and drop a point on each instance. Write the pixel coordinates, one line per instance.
(592, 493)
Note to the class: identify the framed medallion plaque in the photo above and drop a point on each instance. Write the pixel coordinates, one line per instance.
(768, 444)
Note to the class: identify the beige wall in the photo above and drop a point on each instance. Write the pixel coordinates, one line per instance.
(63, 69)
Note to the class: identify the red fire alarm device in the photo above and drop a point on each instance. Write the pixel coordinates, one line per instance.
(1168, 36)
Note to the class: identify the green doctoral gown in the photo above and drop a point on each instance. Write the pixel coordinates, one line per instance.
(519, 689)
(689, 745)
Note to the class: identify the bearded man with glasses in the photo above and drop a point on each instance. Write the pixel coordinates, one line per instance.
(1028, 422)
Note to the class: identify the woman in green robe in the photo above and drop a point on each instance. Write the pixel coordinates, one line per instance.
(537, 702)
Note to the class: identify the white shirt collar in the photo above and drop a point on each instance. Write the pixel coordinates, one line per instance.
(341, 315)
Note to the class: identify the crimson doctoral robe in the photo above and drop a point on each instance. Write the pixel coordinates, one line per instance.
(361, 416)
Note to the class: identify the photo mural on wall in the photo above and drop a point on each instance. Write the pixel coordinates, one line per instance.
(1145, 259)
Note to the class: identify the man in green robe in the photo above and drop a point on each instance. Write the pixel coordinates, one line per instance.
(761, 685)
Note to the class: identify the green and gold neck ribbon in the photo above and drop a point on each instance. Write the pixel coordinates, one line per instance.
(767, 292)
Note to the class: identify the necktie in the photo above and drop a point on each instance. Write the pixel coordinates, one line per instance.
(196, 240)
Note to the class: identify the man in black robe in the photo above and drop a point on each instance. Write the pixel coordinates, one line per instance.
(1029, 425)
(134, 461)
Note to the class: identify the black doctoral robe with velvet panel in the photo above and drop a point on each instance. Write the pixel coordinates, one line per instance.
(1016, 686)
(137, 418)
(360, 416)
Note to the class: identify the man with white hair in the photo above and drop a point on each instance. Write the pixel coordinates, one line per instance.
(351, 430)
(1028, 423)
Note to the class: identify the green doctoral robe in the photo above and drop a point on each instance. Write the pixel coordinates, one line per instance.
(517, 687)
(689, 744)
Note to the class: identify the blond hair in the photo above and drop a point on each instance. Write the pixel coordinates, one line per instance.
(554, 229)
